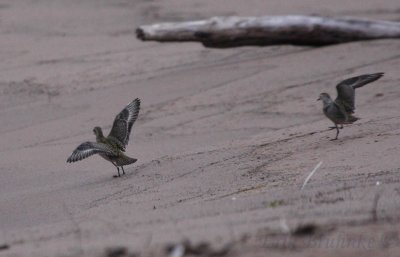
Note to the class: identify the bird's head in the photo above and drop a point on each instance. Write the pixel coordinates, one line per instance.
(98, 132)
(324, 97)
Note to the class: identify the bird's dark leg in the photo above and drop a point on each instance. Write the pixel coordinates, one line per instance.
(337, 132)
(116, 176)
(123, 171)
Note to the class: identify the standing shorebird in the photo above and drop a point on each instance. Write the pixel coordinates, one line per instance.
(111, 147)
(341, 110)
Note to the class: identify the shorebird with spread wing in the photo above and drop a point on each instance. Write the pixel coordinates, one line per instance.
(112, 147)
(341, 110)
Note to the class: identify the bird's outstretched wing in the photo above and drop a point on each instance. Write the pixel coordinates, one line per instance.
(346, 89)
(87, 149)
(123, 122)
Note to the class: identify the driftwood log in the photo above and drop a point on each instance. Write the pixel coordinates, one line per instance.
(270, 30)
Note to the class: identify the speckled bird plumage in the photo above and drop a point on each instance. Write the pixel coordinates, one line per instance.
(113, 146)
(340, 111)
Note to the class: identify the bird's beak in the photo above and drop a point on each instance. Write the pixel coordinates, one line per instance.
(319, 98)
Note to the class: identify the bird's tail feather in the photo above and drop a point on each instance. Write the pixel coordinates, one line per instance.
(352, 118)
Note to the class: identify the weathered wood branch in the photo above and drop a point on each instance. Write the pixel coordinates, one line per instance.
(270, 30)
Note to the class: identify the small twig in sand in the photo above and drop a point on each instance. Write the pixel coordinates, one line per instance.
(310, 175)
(284, 226)
(375, 206)
(146, 247)
(77, 230)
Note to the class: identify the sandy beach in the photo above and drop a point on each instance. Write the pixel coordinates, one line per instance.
(224, 140)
